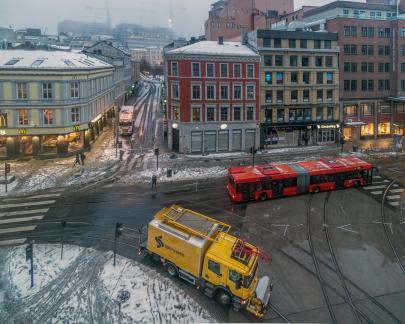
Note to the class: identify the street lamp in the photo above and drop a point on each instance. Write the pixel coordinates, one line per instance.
(175, 125)
(224, 126)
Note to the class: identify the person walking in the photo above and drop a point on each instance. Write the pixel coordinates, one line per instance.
(154, 182)
(82, 158)
(77, 161)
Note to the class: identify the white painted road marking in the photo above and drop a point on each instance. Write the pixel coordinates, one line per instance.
(19, 220)
(375, 187)
(347, 230)
(394, 203)
(13, 242)
(24, 212)
(394, 197)
(17, 229)
(396, 190)
(377, 192)
(34, 203)
(33, 197)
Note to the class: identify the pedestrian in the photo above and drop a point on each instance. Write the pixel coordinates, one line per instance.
(154, 182)
(82, 158)
(77, 161)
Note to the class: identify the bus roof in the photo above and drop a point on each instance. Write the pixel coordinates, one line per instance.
(285, 170)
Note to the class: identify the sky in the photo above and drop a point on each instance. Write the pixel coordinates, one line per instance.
(188, 15)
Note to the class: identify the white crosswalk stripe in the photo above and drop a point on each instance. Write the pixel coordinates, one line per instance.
(379, 192)
(21, 215)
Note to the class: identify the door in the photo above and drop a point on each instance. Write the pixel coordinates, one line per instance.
(250, 137)
(213, 272)
(210, 141)
(277, 188)
(175, 140)
(196, 142)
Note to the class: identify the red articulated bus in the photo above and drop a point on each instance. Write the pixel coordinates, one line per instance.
(279, 180)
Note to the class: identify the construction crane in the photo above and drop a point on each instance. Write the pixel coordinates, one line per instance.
(107, 9)
(171, 8)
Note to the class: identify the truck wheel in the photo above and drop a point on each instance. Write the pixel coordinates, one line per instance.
(171, 269)
(263, 196)
(223, 298)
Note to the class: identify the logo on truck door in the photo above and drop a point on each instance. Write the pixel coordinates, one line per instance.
(159, 242)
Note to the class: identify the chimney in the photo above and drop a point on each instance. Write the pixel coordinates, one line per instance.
(221, 40)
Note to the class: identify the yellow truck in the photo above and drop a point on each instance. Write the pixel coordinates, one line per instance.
(201, 251)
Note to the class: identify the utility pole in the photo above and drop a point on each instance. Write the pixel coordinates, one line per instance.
(253, 151)
(29, 255)
(118, 233)
(62, 239)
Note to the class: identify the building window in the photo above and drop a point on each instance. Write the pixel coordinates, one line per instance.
(47, 90)
(280, 77)
(305, 77)
(303, 43)
(353, 85)
(175, 112)
(384, 128)
(237, 113)
(277, 42)
(224, 70)
(370, 67)
(345, 12)
(196, 114)
(318, 61)
(268, 60)
(317, 44)
(402, 32)
(23, 117)
(196, 92)
(210, 91)
(319, 113)
(266, 42)
(250, 92)
(280, 115)
(329, 77)
(366, 110)
(403, 67)
(237, 92)
(210, 70)
(224, 113)
(292, 43)
(305, 61)
(294, 77)
(278, 60)
(175, 69)
(22, 91)
(250, 113)
(250, 71)
(350, 110)
(328, 61)
(294, 96)
(280, 96)
(353, 49)
(402, 85)
(210, 114)
(327, 44)
(293, 60)
(319, 77)
(237, 71)
(195, 69)
(350, 31)
(329, 113)
(175, 91)
(329, 95)
(269, 95)
(224, 92)
(346, 66)
(319, 95)
(74, 90)
(363, 85)
(305, 95)
(268, 77)
(48, 116)
(75, 114)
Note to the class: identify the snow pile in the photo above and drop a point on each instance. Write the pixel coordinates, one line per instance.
(84, 288)
(177, 175)
(47, 266)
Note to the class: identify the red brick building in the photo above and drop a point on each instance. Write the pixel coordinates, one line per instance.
(227, 17)
(372, 65)
(212, 97)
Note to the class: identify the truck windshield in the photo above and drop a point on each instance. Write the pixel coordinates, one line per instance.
(247, 281)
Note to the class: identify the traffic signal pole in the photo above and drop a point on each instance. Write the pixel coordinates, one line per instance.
(118, 233)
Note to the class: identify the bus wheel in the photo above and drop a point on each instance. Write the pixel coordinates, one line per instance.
(317, 190)
(171, 269)
(263, 196)
(223, 298)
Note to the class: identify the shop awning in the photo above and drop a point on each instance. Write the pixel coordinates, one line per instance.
(355, 123)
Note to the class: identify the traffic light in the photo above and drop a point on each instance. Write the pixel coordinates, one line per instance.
(118, 229)
(8, 167)
(28, 252)
(157, 151)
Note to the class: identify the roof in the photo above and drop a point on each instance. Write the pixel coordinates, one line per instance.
(23, 59)
(296, 34)
(212, 47)
(350, 5)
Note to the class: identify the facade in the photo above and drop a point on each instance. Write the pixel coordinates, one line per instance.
(121, 60)
(228, 17)
(52, 103)
(372, 65)
(213, 97)
(137, 36)
(80, 28)
(299, 82)
(152, 55)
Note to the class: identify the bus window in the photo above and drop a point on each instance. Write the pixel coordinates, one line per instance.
(266, 184)
(292, 182)
(315, 180)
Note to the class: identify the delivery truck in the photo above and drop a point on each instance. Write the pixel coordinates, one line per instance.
(201, 251)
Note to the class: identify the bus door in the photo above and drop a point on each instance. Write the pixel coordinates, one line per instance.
(277, 188)
(248, 191)
(339, 180)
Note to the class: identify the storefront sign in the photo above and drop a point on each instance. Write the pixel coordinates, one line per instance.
(91, 125)
(22, 131)
(327, 126)
(76, 128)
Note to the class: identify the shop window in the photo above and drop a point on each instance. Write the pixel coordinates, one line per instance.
(366, 109)
(399, 130)
(23, 117)
(367, 130)
(3, 120)
(3, 146)
(384, 129)
(75, 141)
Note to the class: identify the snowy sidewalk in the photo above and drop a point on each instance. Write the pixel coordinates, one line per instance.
(84, 287)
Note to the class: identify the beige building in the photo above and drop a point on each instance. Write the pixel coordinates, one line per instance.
(152, 55)
(52, 103)
(299, 83)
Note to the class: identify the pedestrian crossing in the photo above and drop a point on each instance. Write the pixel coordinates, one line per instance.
(20, 215)
(377, 189)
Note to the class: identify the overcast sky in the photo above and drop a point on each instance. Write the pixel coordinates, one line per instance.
(188, 15)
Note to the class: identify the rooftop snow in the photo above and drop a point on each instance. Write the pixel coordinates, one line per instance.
(22, 59)
(212, 47)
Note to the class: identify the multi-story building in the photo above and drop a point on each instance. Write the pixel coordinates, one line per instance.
(299, 82)
(152, 55)
(83, 28)
(121, 60)
(52, 103)
(213, 97)
(227, 17)
(372, 64)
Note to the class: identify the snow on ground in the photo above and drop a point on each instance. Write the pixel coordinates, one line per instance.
(84, 287)
(47, 266)
(181, 175)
